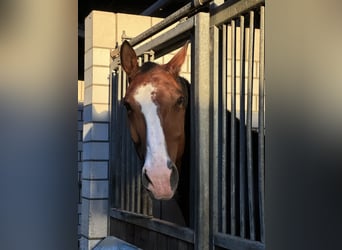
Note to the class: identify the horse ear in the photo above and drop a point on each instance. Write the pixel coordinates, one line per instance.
(175, 64)
(128, 58)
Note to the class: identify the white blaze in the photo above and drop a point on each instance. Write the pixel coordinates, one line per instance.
(156, 154)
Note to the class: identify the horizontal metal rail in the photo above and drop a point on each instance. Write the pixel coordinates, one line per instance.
(164, 39)
(228, 11)
(173, 18)
(160, 226)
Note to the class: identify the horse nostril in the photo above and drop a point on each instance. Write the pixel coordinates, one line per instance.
(145, 179)
(174, 177)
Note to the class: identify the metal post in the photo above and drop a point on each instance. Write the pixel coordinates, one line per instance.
(232, 134)
(215, 79)
(261, 141)
(249, 128)
(223, 132)
(200, 88)
(242, 172)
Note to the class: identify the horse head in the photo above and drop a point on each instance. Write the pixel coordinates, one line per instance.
(156, 102)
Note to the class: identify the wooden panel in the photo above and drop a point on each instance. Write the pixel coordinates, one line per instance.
(145, 238)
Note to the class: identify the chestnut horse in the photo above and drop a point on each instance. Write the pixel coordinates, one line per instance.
(156, 101)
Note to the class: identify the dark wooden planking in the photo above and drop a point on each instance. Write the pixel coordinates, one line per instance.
(227, 241)
(164, 227)
(161, 242)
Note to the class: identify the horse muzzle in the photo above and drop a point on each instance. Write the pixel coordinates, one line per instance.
(160, 181)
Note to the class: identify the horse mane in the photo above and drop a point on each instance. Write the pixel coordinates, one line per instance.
(147, 66)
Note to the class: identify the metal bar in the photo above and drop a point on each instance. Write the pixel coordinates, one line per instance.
(144, 195)
(133, 179)
(125, 161)
(114, 140)
(200, 99)
(215, 79)
(223, 131)
(261, 136)
(131, 165)
(171, 19)
(226, 11)
(249, 128)
(174, 17)
(145, 57)
(232, 135)
(121, 167)
(138, 180)
(242, 151)
(166, 37)
(149, 205)
(144, 202)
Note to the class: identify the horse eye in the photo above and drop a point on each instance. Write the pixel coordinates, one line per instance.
(180, 101)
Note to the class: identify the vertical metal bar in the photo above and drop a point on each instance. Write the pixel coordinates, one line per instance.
(125, 162)
(132, 177)
(215, 78)
(144, 196)
(138, 188)
(145, 57)
(261, 136)
(150, 202)
(232, 134)
(249, 128)
(223, 130)
(121, 167)
(130, 166)
(200, 99)
(114, 140)
(144, 202)
(242, 151)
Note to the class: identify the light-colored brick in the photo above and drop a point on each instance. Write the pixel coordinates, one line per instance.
(96, 94)
(86, 244)
(95, 170)
(95, 151)
(79, 166)
(88, 59)
(80, 87)
(98, 57)
(96, 112)
(100, 75)
(101, 56)
(94, 218)
(133, 25)
(100, 30)
(88, 77)
(95, 189)
(95, 132)
(88, 32)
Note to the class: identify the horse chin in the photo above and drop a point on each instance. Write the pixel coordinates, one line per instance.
(160, 197)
